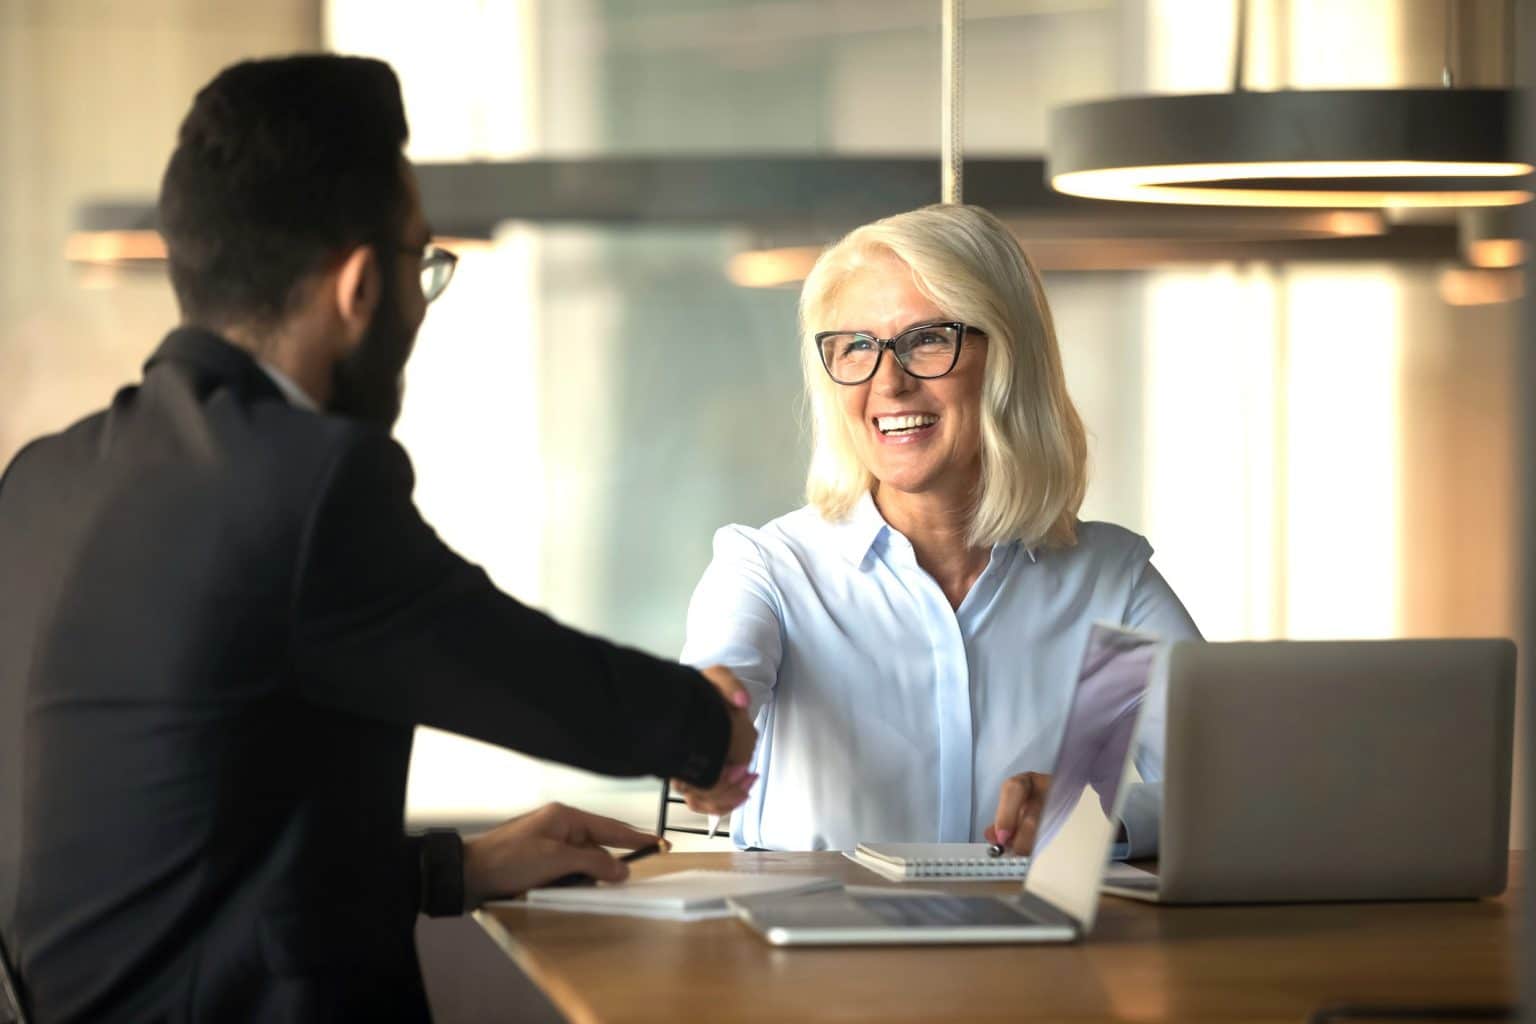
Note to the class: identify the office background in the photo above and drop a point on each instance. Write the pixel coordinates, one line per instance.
(1317, 444)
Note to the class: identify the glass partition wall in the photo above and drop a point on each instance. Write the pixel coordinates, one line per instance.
(1315, 448)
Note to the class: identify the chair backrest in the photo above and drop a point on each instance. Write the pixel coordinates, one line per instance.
(691, 823)
(10, 992)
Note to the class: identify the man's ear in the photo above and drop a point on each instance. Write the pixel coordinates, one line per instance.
(358, 287)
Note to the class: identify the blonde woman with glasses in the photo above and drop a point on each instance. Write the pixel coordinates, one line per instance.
(910, 638)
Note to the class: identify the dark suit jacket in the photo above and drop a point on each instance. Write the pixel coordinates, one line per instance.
(220, 618)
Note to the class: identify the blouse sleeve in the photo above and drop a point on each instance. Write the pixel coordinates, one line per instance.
(1153, 608)
(734, 618)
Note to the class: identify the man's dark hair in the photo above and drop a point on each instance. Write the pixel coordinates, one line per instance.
(279, 165)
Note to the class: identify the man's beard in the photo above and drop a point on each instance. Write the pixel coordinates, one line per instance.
(369, 383)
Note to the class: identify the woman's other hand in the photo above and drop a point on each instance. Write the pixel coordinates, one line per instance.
(1019, 804)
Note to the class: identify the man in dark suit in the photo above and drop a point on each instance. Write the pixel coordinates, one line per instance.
(221, 616)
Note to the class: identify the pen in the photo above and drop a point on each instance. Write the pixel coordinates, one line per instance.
(714, 823)
(580, 878)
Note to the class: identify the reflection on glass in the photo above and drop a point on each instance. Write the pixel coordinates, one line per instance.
(1078, 821)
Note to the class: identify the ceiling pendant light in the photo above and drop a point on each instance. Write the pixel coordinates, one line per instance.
(782, 208)
(1337, 148)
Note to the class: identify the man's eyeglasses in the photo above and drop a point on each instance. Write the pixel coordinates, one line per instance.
(926, 351)
(437, 266)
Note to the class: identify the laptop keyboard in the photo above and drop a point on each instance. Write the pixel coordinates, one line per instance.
(943, 911)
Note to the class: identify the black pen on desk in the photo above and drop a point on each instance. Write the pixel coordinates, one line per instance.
(580, 878)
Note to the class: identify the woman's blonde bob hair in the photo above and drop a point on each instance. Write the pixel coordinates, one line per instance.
(1033, 451)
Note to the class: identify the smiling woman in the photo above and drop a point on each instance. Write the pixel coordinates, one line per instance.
(1013, 450)
(910, 637)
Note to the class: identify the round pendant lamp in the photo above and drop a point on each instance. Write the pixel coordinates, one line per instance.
(1357, 148)
(1447, 147)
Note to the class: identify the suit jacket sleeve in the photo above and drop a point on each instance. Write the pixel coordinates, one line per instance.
(390, 623)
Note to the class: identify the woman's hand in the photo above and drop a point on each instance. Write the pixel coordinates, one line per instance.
(541, 846)
(1018, 811)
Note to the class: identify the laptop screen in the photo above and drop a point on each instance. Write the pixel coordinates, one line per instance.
(1079, 820)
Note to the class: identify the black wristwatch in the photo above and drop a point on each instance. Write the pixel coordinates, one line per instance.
(442, 873)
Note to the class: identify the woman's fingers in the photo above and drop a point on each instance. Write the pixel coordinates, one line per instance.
(729, 686)
(1010, 801)
(1029, 813)
(1019, 803)
(722, 799)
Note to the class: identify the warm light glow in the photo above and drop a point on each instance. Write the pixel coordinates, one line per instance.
(1101, 243)
(1212, 410)
(1496, 252)
(1342, 428)
(1355, 223)
(1171, 183)
(113, 247)
(1271, 423)
(1460, 286)
(468, 70)
(769, 268)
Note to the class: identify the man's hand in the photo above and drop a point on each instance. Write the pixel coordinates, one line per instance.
(730, 789)
(541, 846)
(1018, 811)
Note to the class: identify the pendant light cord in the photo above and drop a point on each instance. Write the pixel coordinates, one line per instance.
(1448, 63)
(1240, 48)
(950, 177)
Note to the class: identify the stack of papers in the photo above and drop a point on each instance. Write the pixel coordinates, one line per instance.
(681, 896)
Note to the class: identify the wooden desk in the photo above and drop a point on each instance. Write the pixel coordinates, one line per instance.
(1142, 963)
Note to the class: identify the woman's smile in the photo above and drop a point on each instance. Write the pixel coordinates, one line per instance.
(905, 427)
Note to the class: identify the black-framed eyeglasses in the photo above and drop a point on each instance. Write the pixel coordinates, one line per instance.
(437, 266)
(925, 351)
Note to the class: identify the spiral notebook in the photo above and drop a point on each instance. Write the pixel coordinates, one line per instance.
(938, 862)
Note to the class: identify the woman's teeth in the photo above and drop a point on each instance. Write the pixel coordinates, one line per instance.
(890, 425)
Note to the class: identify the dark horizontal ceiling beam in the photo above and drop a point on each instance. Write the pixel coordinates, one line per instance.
(798, 200)
(469, 198)
(826, 193)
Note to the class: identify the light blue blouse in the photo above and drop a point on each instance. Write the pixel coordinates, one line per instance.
(886, 715)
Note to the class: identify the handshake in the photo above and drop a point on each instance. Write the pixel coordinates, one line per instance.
(555, 840)
(730, 789)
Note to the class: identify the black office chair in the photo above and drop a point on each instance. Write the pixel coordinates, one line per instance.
(10, 992)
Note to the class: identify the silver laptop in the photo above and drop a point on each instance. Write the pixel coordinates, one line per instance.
(1077, 830)
(1361, 770)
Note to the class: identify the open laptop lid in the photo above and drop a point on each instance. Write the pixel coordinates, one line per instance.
(1399, 789)
(1089, 782)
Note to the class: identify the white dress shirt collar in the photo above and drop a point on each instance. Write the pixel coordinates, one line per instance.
(296, 395)
(865, 525)
(858, 533)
